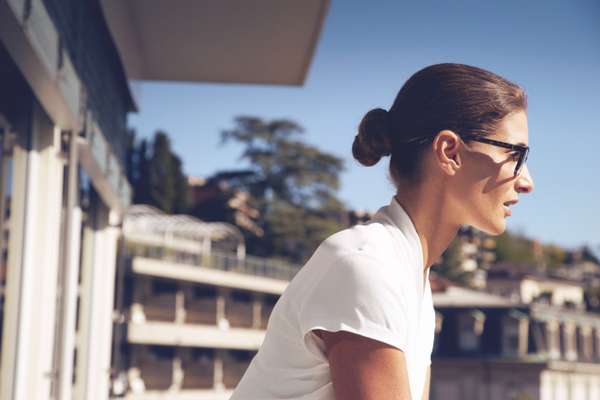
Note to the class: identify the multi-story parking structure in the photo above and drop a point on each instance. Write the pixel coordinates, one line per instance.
(192, 307)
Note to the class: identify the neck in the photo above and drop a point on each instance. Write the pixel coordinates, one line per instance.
(428, 209)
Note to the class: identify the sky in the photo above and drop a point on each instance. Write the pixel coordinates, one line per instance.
(367, 50)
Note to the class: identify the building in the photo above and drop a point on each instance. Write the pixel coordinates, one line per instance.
(526, 285)
(488, 347)
(65, 73)
(214, 199)
(477, 253)
(192, 307)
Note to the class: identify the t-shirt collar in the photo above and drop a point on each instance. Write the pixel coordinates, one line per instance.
(396, 214)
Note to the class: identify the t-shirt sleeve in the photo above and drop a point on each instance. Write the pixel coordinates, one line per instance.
(355, 294)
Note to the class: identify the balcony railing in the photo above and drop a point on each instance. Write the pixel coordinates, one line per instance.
(198, 375)
(233, 372)
(239, 314)
(160, 308)
(266, 311)
(157, 375)
(201, 311)
(251, 265)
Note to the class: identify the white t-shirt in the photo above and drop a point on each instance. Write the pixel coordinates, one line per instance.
(368, 279)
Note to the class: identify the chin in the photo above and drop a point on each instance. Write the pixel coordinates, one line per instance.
(493, 228)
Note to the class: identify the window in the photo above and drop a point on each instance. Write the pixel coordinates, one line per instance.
(202, 355)
(205, 292)
(470, 328)
(160, 286)
(241, 296)
(514, 333)
(161, 352)
(6, 172)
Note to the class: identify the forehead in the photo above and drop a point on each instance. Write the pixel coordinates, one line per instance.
(513, 128)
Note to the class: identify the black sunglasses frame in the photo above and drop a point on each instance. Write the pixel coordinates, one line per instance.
(523, 150)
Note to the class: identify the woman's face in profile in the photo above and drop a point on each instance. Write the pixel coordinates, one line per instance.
(488, 179)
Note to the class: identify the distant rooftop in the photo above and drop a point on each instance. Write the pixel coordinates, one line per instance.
(456, 296)
(142, 218)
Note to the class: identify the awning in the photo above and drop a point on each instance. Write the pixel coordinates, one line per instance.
(266, 42)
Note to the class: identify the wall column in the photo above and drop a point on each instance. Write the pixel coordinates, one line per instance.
(218, 372)
(222, 321)
(180, 305)
(69, 279)
(33, 253)
(98, 278)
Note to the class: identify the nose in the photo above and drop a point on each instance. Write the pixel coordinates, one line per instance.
(524, 182)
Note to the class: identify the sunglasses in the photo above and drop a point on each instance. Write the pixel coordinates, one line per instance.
(521, 150)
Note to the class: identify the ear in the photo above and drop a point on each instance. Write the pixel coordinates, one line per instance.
(445, 148)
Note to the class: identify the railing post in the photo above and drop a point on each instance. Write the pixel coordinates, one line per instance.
(256, 311)
(180, 306)
(218, 383)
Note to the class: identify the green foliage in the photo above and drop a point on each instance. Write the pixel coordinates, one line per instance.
(292, 184)
(554, 256)
(450, 266)
(588, 254)
(515, 248)
(156, 176)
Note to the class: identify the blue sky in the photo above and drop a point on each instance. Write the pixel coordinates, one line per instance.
(366, 52)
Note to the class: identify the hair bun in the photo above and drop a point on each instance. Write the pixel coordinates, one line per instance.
(373, 140)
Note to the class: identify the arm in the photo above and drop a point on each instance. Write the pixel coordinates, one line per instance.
(365, 369)
(427, 382)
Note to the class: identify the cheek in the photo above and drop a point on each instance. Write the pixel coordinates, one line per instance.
(487, 196)
(498, 185)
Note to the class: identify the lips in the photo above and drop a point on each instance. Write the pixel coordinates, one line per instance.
(507, 204)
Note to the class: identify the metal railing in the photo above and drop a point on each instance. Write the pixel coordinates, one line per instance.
(251, 265)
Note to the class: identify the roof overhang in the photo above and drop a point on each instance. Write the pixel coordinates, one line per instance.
(266, 42)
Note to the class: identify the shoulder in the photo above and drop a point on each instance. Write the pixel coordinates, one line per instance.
(371, 240)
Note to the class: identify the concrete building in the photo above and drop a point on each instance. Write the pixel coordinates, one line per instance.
(477, 253)
(192, 307)
(529, 286)
(65, 73)
(488, 348)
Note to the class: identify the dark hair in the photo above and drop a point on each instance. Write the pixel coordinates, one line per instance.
(464, 99)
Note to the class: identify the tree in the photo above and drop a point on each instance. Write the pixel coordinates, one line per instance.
(156, 176)
(588, 254)
(515, 249)
(450, 266)
(554, 256)
(292, 184)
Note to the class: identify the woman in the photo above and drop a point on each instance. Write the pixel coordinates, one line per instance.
(357, 321)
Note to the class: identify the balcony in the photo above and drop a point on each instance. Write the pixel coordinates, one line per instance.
(201, 311)
(194, 335)
(238, 310)
(198, 375)
(160, 307)
(234, 365)
(218, 270)
(161, 372)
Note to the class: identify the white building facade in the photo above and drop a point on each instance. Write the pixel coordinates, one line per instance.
(192, 307)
